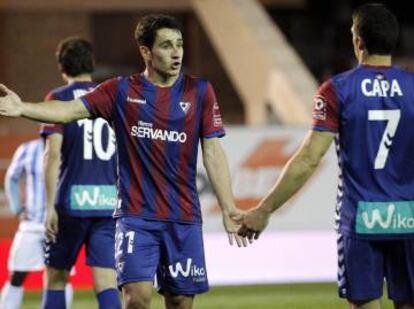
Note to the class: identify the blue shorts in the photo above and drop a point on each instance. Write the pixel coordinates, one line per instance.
(98, 235)
(364, 264)
(174, 252)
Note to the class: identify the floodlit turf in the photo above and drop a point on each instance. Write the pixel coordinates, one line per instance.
(295, 296)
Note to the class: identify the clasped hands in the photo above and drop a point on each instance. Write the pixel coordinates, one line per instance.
(244, 227)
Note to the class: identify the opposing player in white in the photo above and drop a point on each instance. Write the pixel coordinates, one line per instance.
(26, 253)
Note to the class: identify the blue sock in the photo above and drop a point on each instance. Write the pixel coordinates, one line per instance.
(54, 299)
(109, 299)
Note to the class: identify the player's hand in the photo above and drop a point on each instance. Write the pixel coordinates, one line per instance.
(254, 222)
(10, 103)
(51, 224)
(232, 222)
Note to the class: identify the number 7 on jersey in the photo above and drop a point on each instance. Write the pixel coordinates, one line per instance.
(392, 117)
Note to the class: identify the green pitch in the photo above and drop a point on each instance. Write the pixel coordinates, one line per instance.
(294, 296)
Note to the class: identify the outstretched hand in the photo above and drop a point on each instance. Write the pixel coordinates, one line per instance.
(10, 102)
(232, 223)
(254, 222)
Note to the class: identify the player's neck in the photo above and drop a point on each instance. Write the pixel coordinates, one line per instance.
(377, 60)
(78, 78)
(158, 79)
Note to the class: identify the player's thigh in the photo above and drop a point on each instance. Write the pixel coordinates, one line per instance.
(182, 270)
(399, 272)
(72, 232)
(360, 269)
(26, 252)
(100, 243)
(137, 249)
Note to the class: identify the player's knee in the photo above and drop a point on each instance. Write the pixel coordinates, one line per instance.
(174, 301)
(56, 278)
(137, 299)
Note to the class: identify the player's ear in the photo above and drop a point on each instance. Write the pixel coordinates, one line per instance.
(145, 53)
(360, 43)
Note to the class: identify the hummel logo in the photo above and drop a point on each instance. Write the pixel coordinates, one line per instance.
(137, 101)
(185, 106)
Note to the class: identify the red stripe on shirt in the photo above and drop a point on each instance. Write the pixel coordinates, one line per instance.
(186, 151)
(135, 193)
(161, 121)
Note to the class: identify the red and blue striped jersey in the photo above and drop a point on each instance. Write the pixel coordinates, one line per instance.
(371, 108)
(157, 130)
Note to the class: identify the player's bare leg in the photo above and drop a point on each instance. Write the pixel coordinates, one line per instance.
(403, 306)
(370, 304)
(103, 278)
(107, 294)
(174, 301)
(137, 295)
(56, 279)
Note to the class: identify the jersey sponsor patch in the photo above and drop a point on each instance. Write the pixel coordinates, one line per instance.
(217, 121)
(87, 197)
(147, 130)
(319, 108)
(385, 217)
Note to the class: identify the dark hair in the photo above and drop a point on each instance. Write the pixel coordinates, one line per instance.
(377, 26)
(148, 26)
(75, 55)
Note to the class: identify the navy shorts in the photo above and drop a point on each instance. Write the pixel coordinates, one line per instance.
(174, 252)
(98, 235)
(364, 264)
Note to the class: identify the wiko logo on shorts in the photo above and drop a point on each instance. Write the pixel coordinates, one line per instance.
(93, 197)
(197, 273)
(385, 217)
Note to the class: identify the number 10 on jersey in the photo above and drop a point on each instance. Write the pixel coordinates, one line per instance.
(92, 139)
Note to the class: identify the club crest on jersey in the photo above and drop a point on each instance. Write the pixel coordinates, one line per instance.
(185, 106)
(319, 108)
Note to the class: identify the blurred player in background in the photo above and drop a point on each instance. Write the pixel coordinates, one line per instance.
(159, 118)
(369, 111)
(26, 252)
(81, 200)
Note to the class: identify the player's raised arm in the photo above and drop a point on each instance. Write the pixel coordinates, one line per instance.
(50, 112)
(216, 165)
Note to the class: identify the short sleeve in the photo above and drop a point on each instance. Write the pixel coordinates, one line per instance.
(325, 110)
(212, 124)
(50, 128)
(100, 102)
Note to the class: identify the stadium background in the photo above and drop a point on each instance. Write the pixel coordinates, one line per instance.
(265, 59)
